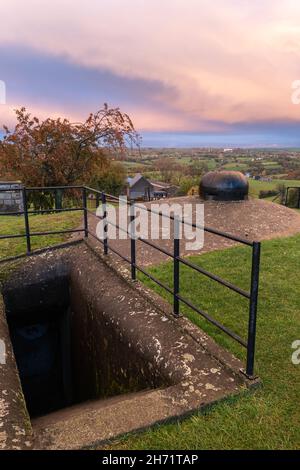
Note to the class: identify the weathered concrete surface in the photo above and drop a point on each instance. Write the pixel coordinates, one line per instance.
(15, 427)
(224, 357)
(190, 370)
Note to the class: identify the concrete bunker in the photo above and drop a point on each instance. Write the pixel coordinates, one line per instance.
(64, 352)
(98, 356)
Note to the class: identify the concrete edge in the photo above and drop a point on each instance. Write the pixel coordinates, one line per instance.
(15, 425)
(109, 426)
(224, 357)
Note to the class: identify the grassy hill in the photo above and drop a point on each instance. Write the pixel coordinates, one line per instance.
(269, 417)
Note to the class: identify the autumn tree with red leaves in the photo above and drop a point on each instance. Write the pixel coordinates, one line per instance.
(57, 152)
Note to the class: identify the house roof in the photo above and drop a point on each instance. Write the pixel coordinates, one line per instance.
(161, 184)
(135, 179)
(157, 184)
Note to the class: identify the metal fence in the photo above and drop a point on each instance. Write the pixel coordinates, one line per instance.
(296, 190)
(103, 198)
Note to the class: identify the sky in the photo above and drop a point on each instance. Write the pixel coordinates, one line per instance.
(188, 72)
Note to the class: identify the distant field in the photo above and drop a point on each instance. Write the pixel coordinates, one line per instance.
(235, 166)
(132, 164)
(270, 164)
(237, 162)
(183, 160)
(256, 186)
(211, 163)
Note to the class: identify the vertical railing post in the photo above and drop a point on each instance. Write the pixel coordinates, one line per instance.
(26, 220)
(58, 199)
(253, 309)
(132, 241)
(85, 213)
(286, 196)
(105, 225)
(176, 266)
(97, 200)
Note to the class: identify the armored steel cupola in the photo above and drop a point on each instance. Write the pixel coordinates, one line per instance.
(224, 186)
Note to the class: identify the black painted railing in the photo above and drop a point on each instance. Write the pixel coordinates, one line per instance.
(288, 190)
(103, 198)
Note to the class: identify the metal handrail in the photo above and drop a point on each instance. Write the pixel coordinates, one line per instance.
(103, 197)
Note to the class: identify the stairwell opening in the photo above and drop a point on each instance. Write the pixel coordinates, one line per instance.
(65, 351)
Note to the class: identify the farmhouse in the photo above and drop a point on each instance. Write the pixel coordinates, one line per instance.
(140, 187)
(161, 189)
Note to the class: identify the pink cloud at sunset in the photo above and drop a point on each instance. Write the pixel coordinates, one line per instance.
(197, 65)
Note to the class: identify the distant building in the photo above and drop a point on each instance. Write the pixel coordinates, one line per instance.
(140, 187)
(11, 196)
(161, 189)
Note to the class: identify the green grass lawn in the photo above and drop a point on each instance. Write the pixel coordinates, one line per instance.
(268, 418)
(235, 166)
(38, 223)
(255, 185)
(210, 162)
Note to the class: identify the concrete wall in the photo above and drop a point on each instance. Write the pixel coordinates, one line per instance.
(87, 356)
(11, 201)
(15, 427)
